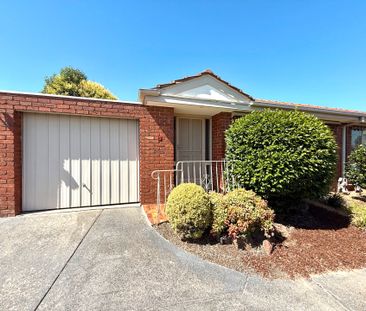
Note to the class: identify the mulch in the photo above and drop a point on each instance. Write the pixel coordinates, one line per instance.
(320, 241)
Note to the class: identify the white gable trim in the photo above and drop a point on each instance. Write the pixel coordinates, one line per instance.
(205, 87)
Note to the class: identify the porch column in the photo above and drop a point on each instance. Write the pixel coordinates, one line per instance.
(220, 123)
(156, 149)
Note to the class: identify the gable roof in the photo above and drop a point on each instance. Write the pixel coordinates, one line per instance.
(261, 102)
(203, 73)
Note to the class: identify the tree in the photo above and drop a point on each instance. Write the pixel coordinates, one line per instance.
(94, 89)
(356, 167)
(282, 154)
(73, 82)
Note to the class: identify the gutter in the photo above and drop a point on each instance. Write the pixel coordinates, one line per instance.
(361, 115)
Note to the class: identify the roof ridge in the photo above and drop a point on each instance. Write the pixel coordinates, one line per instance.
(200, 74)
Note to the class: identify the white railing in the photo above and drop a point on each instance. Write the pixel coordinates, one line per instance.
(212, 175)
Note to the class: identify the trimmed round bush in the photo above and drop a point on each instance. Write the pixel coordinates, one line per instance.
(278, 153)
(356, 167)
(219, 213)
(247, 214)
(189, 211)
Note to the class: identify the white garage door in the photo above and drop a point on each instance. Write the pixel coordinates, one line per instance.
(73, 161)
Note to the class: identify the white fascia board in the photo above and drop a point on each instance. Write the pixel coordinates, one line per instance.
(174, 101)
(71, 97)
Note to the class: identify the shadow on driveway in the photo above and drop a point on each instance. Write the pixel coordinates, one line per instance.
(113, 260)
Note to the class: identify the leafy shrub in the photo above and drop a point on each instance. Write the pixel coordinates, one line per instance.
(219, 212)
(247, 214)
(356, 166)
(280, 153)
(189, 210)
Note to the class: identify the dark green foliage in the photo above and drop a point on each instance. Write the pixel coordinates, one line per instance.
(334, 200)
(282, 154)
(356, 167)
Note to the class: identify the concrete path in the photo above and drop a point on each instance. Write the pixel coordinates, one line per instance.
(113, 260)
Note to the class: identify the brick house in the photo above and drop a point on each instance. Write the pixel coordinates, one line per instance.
(61, 152)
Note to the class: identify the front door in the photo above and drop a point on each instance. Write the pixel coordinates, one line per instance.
(190, 139)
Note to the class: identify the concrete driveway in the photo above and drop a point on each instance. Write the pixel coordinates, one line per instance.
(112, 259)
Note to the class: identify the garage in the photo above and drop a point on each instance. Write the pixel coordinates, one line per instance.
(71, 161)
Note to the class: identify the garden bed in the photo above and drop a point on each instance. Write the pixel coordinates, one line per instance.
(319, 241)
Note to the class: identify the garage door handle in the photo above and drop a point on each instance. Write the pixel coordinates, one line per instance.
(84, 186)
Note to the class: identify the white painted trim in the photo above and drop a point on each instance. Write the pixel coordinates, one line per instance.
(166, 100)
(210, 139)
(226, 89)
(203, 140)
(72, 97)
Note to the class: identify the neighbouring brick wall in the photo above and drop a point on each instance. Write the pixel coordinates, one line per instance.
(220, 123)
(156, 126)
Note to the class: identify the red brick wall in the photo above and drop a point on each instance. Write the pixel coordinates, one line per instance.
(220, 123)
(156, 126)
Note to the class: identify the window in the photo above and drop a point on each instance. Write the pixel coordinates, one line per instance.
(358, 137)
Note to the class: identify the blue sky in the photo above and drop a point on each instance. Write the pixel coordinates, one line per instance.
(302, 51)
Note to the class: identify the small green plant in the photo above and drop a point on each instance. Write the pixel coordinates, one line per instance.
(359, 217)
(189, 211)
(219, 211)
(356, 167)
(334, 200)
(247, 214)
(357, 211)
(282, 154)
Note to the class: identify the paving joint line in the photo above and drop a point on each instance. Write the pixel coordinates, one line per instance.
(335, 297)
(68, 260)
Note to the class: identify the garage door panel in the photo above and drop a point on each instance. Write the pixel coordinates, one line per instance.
(105, 173)
(132, 158)
(124, 163)
(85, 162)
(41, 189)
(78, 161)
(29, 163)
(75, 155)
(53, 161)
(114, 161)
(64, 168)
(95, 159)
